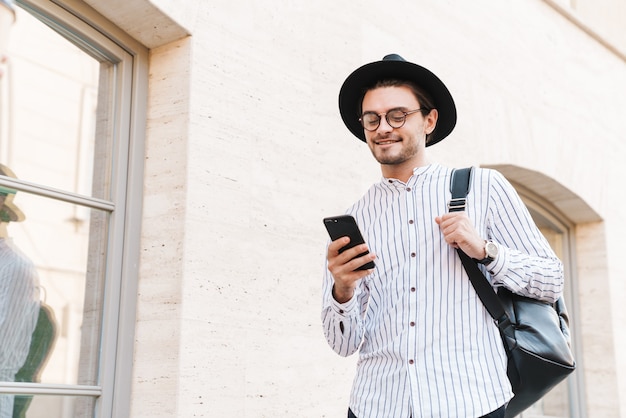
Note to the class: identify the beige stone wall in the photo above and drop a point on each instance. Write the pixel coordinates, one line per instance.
(246, 153)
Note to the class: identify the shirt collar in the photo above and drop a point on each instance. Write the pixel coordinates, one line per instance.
(418, 173)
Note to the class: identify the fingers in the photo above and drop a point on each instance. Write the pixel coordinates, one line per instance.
(459, 232)
(348, 260)
(343, 267)
(452, 226)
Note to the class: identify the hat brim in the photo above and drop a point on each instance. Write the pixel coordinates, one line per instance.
(9, 212)
(353, 89)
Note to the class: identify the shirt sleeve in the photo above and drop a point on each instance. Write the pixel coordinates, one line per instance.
(343, 322)
(19, 304)
(526, 264)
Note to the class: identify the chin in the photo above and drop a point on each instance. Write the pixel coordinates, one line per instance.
(390, 159)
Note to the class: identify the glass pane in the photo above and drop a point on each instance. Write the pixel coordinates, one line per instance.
(53, 254)
(53, 112)
(46, 406)
(555, 404)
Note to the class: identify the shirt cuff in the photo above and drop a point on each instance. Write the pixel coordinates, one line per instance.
(349, 308)
(498, 265)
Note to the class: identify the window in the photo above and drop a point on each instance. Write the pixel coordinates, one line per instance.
(565, 400)
(71, 154)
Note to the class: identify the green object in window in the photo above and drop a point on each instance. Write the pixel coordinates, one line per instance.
(40, 349)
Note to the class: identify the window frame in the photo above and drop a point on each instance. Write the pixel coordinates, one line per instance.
(93, 33)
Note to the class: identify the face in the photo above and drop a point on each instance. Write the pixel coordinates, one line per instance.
(398, 147)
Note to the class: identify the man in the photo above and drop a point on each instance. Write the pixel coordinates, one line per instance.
(427, 347)
(19, 297)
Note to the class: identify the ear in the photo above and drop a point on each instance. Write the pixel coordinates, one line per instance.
(430, 121)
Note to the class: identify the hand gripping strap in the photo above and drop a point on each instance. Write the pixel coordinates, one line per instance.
(459, 187)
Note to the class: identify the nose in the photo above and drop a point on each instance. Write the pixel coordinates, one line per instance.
(384, 125)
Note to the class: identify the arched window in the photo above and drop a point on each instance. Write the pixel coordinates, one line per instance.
(567, 400)
(73, 114)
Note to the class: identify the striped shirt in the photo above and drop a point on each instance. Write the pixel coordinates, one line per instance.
(427, 347)
(19, 308)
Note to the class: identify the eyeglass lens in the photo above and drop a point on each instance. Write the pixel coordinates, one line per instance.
(395, 118)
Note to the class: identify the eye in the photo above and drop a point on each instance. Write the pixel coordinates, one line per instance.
(370, 119)
(396, 116)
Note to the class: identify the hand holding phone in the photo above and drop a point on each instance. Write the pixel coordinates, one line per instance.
(346, 226)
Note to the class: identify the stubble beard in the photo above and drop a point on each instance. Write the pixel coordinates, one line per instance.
(408, 151)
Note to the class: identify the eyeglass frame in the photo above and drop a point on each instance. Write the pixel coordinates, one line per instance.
(405, 113)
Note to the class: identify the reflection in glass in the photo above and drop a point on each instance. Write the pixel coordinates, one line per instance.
(69, 262)
(60, 120)
(53, 88)
(49, 406)
(19, 304)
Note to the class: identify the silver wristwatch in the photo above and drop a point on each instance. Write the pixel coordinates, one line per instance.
(491, 252)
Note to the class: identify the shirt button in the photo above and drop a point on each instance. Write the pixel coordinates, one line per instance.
(411, 361)
(411, 222)
(408, 189)
(412, 289)
(413, 255)
(412, 324)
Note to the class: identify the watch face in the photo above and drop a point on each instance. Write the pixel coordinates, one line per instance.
(491, 249)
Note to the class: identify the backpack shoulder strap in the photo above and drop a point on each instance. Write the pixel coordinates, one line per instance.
(459, 187)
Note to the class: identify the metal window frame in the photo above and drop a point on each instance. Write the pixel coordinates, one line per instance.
(90, 31)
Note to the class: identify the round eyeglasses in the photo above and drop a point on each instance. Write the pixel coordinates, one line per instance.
(395, 118)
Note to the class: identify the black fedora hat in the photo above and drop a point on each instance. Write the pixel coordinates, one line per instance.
(393, 66)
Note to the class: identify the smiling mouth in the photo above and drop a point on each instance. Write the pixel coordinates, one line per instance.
(387, 141)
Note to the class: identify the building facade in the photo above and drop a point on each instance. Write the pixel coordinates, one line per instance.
(174, 161)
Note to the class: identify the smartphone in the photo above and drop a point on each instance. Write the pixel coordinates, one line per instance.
(346, 226)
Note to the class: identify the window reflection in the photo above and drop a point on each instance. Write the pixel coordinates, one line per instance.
(65, 102)
(46, 256)
(51, 90)
(47, 406)
(51, 298)
(71, 281)
(20, 356)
